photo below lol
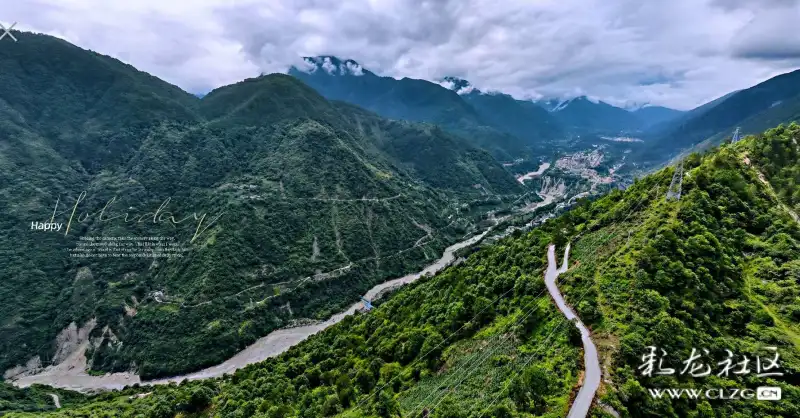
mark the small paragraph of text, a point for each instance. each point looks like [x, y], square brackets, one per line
[128, 246]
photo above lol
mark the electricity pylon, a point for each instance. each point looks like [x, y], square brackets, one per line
[674, 192]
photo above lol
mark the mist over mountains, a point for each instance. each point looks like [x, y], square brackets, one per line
[510, 127]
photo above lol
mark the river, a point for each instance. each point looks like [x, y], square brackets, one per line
[591, 380]
[281, 340]
[527, 176]
[71, 373]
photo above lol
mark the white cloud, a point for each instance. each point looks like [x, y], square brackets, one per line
[677, 53]
[308, 66]
[328, 66]
[448, 84]
[466, 90]
[354, 68]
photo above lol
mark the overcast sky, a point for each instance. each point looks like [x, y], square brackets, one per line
[677, 53]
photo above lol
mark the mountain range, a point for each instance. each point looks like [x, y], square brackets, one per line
[510, 127]
[583, 114]
[281, 199]
[753, 109]
[507, 127]
[713, 274]
[408, 99]
[297, 205]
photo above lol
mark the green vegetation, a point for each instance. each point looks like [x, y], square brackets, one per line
[717, 270]
[308, 203]
[505, 127]
[36, 398]
[754, 109]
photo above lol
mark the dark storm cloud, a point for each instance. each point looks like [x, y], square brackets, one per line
[771, 51]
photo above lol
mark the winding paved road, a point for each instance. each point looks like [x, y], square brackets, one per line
[591, 380]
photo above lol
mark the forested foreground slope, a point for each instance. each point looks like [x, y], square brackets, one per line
[718, 269]
[289, 207]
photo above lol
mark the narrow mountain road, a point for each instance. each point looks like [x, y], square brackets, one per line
[591, 380]
[55, 400]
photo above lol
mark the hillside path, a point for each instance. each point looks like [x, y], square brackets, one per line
[591, 381]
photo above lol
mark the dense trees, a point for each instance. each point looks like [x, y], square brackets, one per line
[283, 168]
[715, 270]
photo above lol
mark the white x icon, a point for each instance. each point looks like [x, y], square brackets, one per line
[8, 31]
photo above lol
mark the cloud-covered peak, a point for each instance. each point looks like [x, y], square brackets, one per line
[677, 53]
[458, 85]
[633, 105]
[559, 104]
[331, 65]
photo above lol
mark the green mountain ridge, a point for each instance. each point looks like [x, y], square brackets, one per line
[581, 115]
[274, 184]
[521, 118]
[717, 270]
[754, 109]
[425, 101]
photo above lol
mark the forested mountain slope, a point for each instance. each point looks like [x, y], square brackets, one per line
[754, 109]
[425, 101]
[654, 115]
[716, 270]
[521, 118]
[666, 126]
[582, 115]
[284, 205]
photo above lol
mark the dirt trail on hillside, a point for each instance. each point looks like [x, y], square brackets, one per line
[766, 183]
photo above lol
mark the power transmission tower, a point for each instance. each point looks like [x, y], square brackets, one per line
[735, 138]
[674, 192]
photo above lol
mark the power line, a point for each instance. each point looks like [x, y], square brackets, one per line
[494, 401]
[492, 351]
